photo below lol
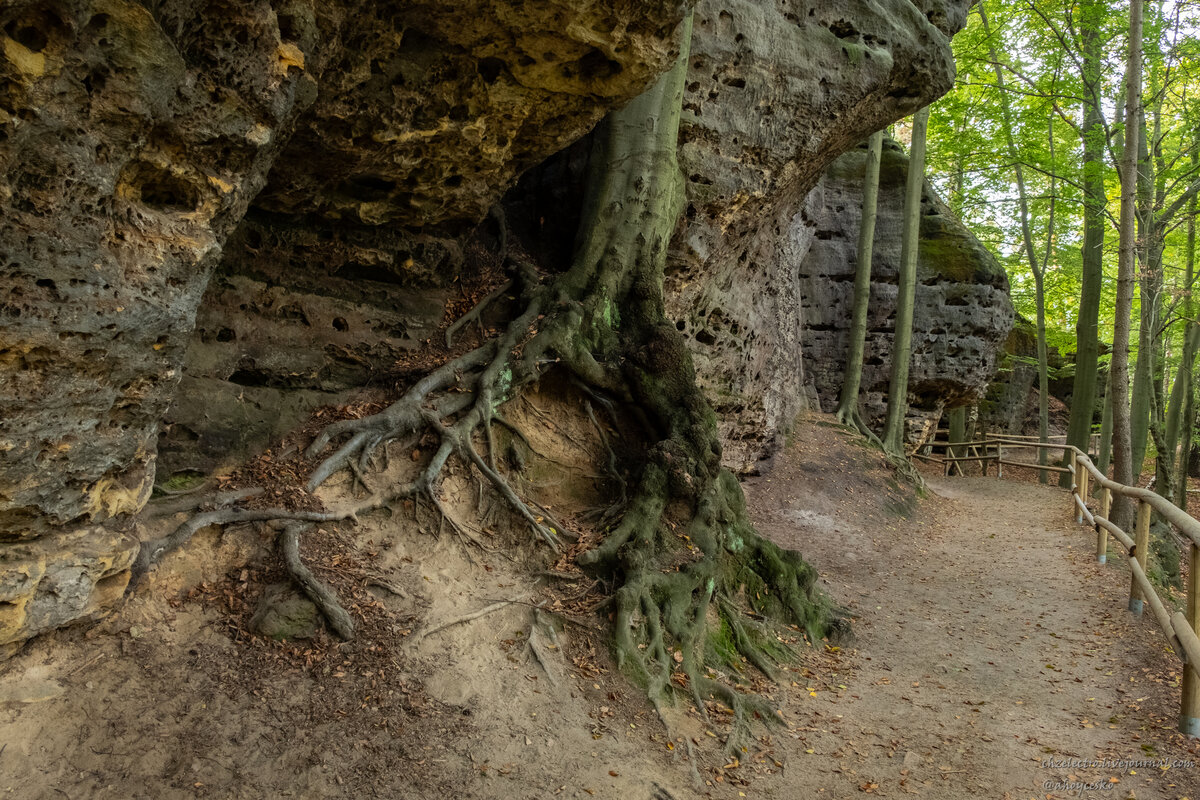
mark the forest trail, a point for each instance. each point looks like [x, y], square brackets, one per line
[988, 640]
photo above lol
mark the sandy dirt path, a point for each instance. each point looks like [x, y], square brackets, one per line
[988, 641]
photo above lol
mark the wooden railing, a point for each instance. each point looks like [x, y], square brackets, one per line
[1181, 630]
[989, 451]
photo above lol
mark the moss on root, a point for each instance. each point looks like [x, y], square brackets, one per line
[687, 562]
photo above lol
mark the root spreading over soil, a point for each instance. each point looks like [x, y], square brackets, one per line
[684, 560]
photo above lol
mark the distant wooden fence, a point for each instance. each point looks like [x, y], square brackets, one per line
[988, 451]
[1181, 630]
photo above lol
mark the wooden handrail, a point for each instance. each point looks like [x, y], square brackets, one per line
[1046, 467]
[977, 443]
[1181, 630]
[1184, 522]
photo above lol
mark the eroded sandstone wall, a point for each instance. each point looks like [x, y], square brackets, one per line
[133, 137]
[134, 141]
[962, 312]
[775, 92]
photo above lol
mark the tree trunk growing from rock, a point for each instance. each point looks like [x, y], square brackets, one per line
[611, 330]
[603, 320]
[893, 434]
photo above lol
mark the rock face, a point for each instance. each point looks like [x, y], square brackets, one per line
[775, 92]
[134, 137]
[127, 154]
[1011, 402]
[1005, 405]
[131, 141]
[137, 136]
[59, 578]
[432, 108]
[275, 339]
[962, 314]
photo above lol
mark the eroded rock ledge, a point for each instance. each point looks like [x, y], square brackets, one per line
[134, 141]
[133, 138]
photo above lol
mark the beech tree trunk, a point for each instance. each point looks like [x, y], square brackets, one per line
[1104, 455]
[1179, 411]
[893, 434]
[1123, 469]
[1149, 280]
[1087, 337]
[1035, 267]
[847, 410]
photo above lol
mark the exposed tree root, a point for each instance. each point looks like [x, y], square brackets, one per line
[680, 549]
[853, 419]
[906, 470]
[322, 596]
[483, 612]
[746, 708]
[902, 466]
[475, 313]
[541, 636]
[189, 502]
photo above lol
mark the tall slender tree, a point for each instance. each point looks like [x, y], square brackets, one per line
[1092, 137]
[1179, 411]
[1149, 282]
[847, 410]
[1123, 471]
[1036, 268]
[893, 434]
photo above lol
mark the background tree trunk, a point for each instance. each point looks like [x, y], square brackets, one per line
[1123, 470]
[1149, 289]
[893, 435]
[1092, 135]
[847, 410]
[1039, 277]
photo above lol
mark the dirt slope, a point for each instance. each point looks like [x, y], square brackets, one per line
[987, 641]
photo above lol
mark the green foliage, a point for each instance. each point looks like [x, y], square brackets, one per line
[1038, 43]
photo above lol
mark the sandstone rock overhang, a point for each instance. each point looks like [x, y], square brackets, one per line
[134, 140]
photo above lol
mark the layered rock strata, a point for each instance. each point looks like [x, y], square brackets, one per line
[962, 312]
[135, 138]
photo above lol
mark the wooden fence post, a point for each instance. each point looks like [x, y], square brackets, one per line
[1102, 533]
[1081, 478]
[999, 458]
[1075, 486]
[1141, 546]
[1189, 707]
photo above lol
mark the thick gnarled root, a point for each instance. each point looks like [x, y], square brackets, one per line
[683, 596]
[318, 592]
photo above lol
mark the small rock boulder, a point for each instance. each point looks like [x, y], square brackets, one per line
[285, 613]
